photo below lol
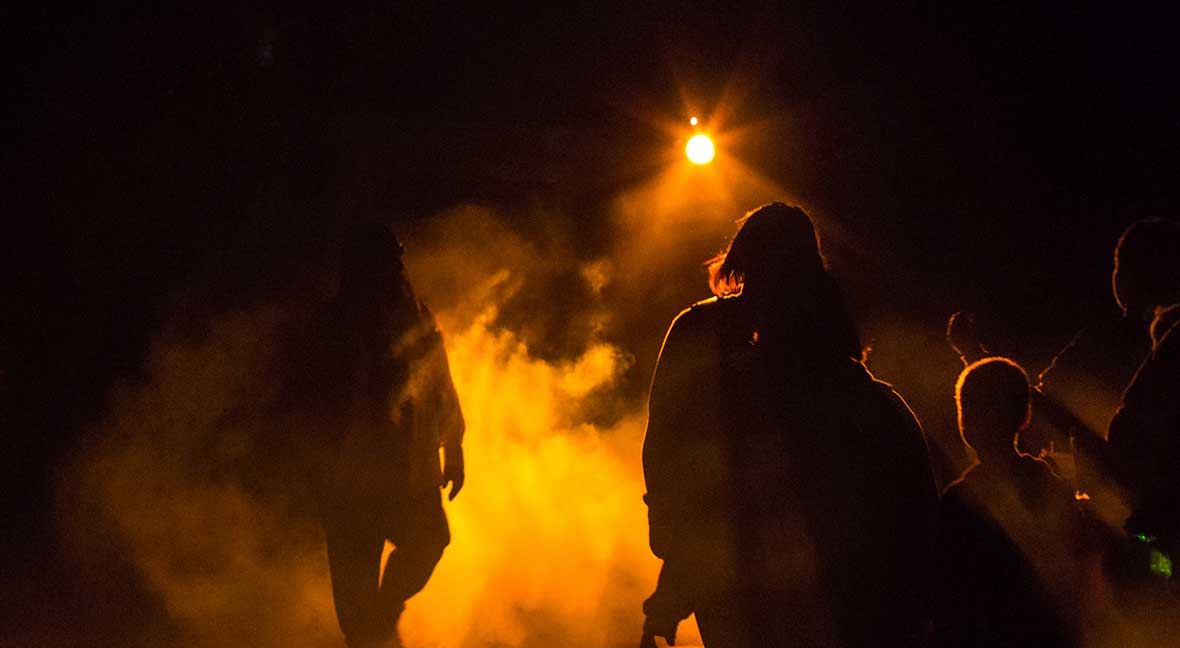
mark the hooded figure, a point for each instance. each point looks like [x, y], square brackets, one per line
[386, 406]
[789, 493]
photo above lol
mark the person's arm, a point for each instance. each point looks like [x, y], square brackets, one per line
[451, 426]
[660, 441]
[1128, 447]
[667, 606]
[1142, 433]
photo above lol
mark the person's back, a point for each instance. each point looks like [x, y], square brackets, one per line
[685, 458]
[796, 486]
[1011, 543]
[990, 593]
[386, 406]
[1144, 446]
[1145, 436]
[720, 489]
[387, 398]
[871, 500]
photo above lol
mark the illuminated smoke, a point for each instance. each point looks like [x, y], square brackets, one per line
[189, 476]
[550, 534]
[170, 482]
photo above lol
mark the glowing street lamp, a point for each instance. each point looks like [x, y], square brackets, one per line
[699, 149]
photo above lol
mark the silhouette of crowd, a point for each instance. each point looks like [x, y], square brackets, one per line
[790, 493]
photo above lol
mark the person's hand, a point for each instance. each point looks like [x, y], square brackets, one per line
[651, 631]
[453, 472]
[649, 640]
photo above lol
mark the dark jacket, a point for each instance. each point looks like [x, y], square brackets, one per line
[386, 401]
[1144, 436]
[1011, 557]
[772, 470]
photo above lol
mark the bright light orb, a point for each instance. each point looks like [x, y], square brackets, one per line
[694, 121]
[699, 149]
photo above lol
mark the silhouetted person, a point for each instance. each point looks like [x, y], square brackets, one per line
[1082, 387]
[1144, 436]
[1048, 433]
[387, 406]
[947, 455]
[1087, 377]
[1011, 544]
[966, 338]
[789, 493]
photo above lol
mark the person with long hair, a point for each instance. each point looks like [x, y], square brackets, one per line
[789, 493]
[386, 406]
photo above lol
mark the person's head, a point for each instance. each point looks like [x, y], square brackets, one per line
[775, 243]
[1147, 267]
[774, 263]
[965, 338]
[992, 396]
[371, 264]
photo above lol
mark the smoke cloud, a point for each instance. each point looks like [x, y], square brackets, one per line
[194, 475]
[195, 478]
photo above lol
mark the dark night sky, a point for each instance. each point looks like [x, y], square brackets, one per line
[996, 152]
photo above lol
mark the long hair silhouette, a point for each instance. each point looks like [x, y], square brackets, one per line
[776, 265]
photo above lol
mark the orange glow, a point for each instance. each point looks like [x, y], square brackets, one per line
[552, 523]
[550, 534]
[699, 149]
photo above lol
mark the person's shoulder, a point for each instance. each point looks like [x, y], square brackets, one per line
[707, 308]
[962, 509]
[885, 388]
[1047, 474]
[703, 316]
[1163, 325]
[1042, 486]
[1034, 465]
[956, 508]
[695, 326]
[974, 487]
[952, 493]
[887, 393]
